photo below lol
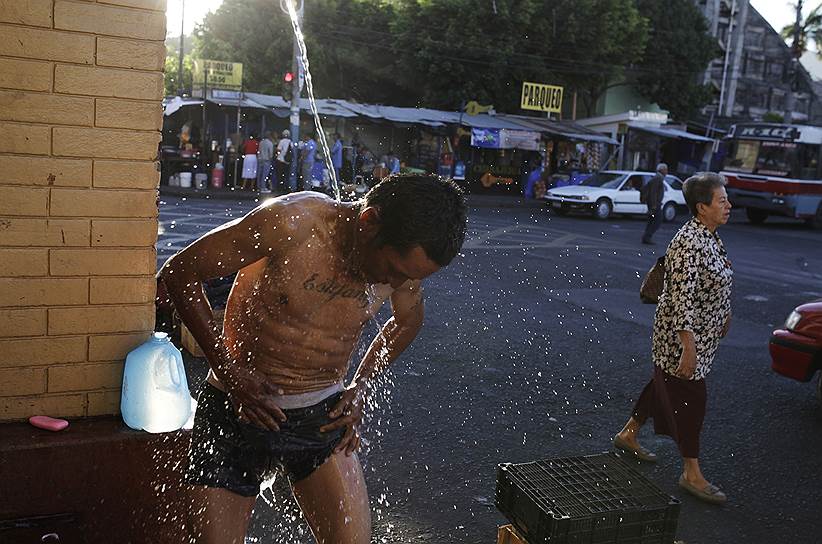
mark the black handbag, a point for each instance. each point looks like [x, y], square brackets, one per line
[654, 281]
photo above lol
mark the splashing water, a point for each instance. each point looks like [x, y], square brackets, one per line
[309, 85]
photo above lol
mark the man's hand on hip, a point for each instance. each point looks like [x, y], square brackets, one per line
[347, 413]
[253, 398]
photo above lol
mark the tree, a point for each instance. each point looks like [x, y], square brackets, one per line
[592, 42]
[810, 29]
[172, 67]
[679, 50]
[253, 32]
[348, 41]
[452, 51]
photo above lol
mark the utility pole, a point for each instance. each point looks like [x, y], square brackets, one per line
[793, 69]
[728, 37]
[182, 34]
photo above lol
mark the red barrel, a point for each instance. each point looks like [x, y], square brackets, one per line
[217, 176]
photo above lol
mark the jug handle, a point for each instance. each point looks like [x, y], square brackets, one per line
[174, 371]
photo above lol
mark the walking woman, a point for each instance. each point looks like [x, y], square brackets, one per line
[692, 315]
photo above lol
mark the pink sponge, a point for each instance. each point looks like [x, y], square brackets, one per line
[48, 423]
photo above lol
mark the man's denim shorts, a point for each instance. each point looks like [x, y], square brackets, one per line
[235, 455]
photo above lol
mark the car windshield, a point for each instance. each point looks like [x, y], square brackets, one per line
[605, 180]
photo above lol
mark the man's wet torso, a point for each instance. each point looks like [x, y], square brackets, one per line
[297, 315]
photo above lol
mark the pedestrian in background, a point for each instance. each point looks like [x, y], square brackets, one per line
[308, 154]
[285, 154]
[393, 163]
[265, 155]
[692, 315]
[652, 194]
[337, 156]
[250, 148]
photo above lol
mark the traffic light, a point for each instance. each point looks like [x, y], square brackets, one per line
[289, 77]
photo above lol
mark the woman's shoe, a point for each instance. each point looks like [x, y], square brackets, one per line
[639, 452]
[710, 493]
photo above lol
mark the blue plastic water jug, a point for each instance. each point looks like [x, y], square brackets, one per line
[155, 390]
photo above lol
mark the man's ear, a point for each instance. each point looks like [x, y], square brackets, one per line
[369, 222]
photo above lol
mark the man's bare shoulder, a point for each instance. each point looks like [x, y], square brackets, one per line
[296, 217]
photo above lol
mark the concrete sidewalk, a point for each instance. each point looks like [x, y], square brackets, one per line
[474, 201]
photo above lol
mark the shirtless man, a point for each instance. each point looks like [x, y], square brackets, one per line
[311, 272]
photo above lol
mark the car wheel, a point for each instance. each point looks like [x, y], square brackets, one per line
[669, 212]
[603, 208]
[756, 216]
[815, 222]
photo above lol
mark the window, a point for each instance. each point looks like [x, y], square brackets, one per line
[634, 183]
[742, 157]
[775, 158]
[807, 158]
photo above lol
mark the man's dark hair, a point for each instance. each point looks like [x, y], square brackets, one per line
[700, 189]
[420, 209]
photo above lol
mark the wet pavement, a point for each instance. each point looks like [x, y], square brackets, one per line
[536, 345]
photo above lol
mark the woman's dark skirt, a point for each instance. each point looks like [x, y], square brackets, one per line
[677, 407]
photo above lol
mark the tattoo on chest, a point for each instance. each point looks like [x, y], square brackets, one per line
[334, 289]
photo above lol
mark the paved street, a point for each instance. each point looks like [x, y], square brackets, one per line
[536, 346]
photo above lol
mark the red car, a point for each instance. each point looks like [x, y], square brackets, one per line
[796, 349]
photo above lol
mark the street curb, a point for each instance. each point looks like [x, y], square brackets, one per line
[474, 201]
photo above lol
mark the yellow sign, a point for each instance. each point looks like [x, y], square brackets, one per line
[217, 74]
[475, 108]
[541, 97]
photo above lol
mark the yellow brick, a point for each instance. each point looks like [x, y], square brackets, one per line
[19, 170]
[83, 80]
[26, 12]
[121, 233]
[29, 322]
[109, 20]
[105, 143]
[43, 291]
[24, 262]
[126, 174]
[25, 74]
[84, 377]
[103, 403]
[28, 139]
[102, 262]
[98, 319]
[15, 231]
[46, 108]
[102, 203]
[54, 405]
[24, 201]
[156, 5]
[141, 55]
[42, 351]
[22, 381]
[34, 43]
[129, 114]
[122, 290]
[114, 347]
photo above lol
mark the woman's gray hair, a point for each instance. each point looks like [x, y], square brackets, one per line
[700, 188]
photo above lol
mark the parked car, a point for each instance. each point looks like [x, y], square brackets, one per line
[614, 192]
[796, 349]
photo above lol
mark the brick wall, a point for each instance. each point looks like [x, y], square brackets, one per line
[80, 89]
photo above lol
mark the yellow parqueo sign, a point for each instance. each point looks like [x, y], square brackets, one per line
[541, 97]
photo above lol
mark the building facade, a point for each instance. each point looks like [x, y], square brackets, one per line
[752, 79]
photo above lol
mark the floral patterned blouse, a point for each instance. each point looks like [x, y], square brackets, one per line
[696, 297]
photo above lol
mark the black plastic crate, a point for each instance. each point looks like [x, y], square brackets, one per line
[595, 499]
